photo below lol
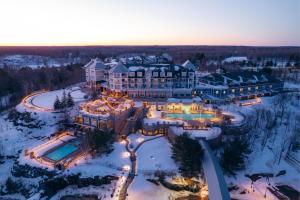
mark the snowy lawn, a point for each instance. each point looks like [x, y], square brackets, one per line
[156, 155]
[46, 100]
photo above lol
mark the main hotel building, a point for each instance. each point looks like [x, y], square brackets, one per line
[179, 81]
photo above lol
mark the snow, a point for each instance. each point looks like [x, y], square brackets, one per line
[141, 189]
[208, 134]
[235, 59]
[46, 100]
[104, 165]
[156, 155]
[291, 85]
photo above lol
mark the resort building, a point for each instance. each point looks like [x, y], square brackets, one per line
[218, 87]
[157, 80]
[179, 81]
[112, 114]
[95, 71]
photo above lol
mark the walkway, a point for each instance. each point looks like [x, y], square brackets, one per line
[133, 170]
[217, 187]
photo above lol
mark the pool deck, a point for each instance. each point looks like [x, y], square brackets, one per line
[69, 155]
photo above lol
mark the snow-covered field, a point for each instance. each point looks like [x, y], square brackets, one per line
[46, 100]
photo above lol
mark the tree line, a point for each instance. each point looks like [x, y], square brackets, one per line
[16, 83]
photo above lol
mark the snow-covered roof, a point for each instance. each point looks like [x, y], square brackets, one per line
[188, 64]
[235, 59]
[119, 68]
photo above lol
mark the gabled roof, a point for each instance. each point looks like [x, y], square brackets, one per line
[188, 64]
[99, 64]
[119, 68]
[95, 63]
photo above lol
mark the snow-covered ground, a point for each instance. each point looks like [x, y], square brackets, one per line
[264, 160]
[156, 155]
[46, 100]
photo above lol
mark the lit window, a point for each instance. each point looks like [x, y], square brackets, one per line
[241, 89]
[233, 90]
[217, 92]
[256, 87]
[249, 88]
[131, 73]
[140, 74]
[224, 92]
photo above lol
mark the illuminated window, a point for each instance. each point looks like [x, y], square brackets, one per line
[140, 74]
[256, 87]
[249, 88]
[241, 89]
[217, 92]
[233, 90]
[224, 92]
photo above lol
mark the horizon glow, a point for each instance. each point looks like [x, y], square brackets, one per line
[154, 22]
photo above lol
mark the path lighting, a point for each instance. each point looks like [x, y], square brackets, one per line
[125, 154]
[126, 168]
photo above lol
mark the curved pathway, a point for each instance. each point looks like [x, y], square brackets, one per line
[133, 170]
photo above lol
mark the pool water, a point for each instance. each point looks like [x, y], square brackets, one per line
[62, 151]
[185, 116]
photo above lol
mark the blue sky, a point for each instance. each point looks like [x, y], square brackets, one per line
[154, 22]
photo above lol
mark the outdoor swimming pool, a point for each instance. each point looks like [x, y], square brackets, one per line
[189, 116]
[63, 151]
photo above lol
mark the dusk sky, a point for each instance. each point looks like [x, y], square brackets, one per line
[150, 22]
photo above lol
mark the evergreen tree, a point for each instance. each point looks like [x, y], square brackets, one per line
[188, 153]
[234, 155]
[64, 100]
[11, 186]
[70, 101]
[57, 104]
[100, 141]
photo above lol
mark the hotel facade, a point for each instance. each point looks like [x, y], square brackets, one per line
[179, 81]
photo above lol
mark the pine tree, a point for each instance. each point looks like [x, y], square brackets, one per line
[11, 186]
[64, 100]
[70, 101]
[57, 104]
[234, 154]
[188, 153]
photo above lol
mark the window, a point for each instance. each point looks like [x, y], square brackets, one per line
[217, 92]
[256, 87]
[183, 73]
[169, 74]
[162, 74]
[241, 89]
[224, 92]
[131, 73]
[155, 74]
[249, 88]
[233, 90]
[140, 74]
